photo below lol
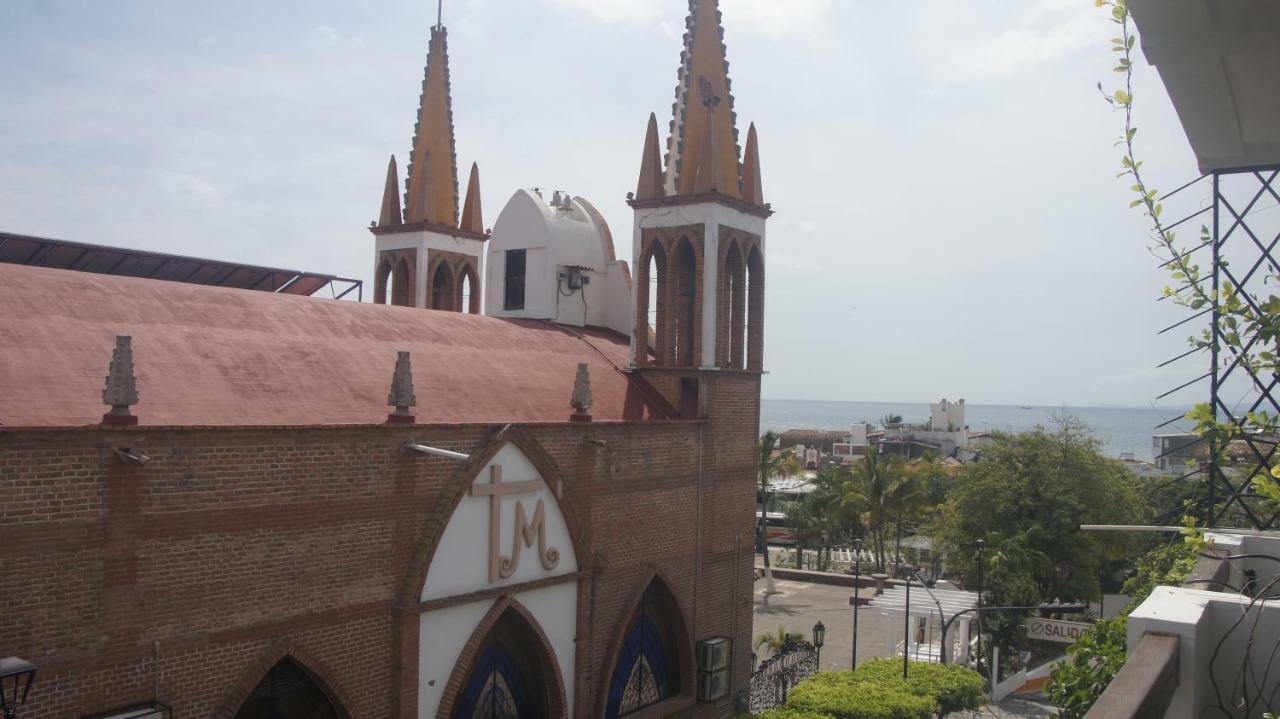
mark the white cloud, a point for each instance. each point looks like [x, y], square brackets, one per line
[773, 16]
[1051, 30]
[615, 10]
[763, 16]
[185, 185]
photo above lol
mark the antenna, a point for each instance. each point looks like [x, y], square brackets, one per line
[440, 14]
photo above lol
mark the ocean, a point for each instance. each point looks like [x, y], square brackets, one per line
[1120, 430]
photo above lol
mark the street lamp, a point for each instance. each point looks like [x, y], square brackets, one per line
[819, 638]
[857, 584]
[16, 677]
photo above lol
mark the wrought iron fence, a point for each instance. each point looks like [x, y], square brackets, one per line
[794, 662]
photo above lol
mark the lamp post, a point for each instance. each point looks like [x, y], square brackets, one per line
[16, 678]
[979, 546]
[857, 584]
[819, 638]
[906, 629]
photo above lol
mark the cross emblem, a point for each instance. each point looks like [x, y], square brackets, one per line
[501, 567]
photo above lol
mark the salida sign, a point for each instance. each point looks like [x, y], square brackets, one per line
[1054, 630]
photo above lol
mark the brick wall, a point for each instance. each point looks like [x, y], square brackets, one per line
[234, 547]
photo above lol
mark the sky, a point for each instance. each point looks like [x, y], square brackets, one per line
[949, 222]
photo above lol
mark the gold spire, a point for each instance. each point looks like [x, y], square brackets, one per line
[650, 186]
[703, 131]
[421, 201]
[390, 214]
[752, 188]
[706, 176]
[432, 187]
[472, 218]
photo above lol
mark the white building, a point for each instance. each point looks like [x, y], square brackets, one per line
[553, 259]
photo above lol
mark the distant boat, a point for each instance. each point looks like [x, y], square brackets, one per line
[1027, 406]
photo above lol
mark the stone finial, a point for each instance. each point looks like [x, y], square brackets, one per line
[581, 399]
[401, 396]
[651, 179]
[121, 391]
[391, 213]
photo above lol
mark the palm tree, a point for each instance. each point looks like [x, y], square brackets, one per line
[768, 465]
[875, 492]
[776, 641]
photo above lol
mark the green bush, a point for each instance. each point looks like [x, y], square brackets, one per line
[842, 696]
[954, 688]
[1091, 664]
[788, 713]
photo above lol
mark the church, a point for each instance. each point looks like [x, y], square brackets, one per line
[519, 482]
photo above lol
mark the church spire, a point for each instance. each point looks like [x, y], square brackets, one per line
[650, 186]
[472, 217]
[702, 150]
[432, 194]
[390, 214]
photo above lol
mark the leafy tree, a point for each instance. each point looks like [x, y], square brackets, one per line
[1027, 499]
[890, 420]
[1097, 656]
[776, 641]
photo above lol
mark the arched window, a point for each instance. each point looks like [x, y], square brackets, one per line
[685, 328]
[651, 307]
[648, 669]
[382, 284]
[508, 679]
[288, 692]
[442, 287]
[468, 298]
[733, 313]
[755, 310]
[401, 287]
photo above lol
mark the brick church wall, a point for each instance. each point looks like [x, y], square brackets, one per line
[236, 546]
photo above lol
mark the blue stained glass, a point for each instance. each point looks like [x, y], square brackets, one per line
[633, 688]
[495, 689]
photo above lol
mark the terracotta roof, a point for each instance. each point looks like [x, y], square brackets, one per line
[216, 356]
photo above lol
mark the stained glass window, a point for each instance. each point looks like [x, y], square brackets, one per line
[648, 670]
[287, 692]
[495, 688]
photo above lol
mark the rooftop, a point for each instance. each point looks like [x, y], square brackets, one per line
[222, 357]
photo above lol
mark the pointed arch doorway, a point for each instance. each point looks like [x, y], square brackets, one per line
[289, 692]
[512, 674]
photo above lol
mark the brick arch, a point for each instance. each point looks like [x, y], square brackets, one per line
[731, 302]
[467, 271]
[276, 653]
[685, 329]
[648, 336]
[462, 667]
[684, 638]
[381, 278]
[755, 308]
[402, 283]
[456, 488]
[440, 297]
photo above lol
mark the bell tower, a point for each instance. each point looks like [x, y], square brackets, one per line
[429, 255]
[699, 232]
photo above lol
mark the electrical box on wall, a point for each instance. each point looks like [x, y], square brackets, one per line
[713, 668]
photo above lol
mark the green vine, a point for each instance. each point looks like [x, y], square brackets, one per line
[1249, 327]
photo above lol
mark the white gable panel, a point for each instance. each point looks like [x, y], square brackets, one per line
[461, 563]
